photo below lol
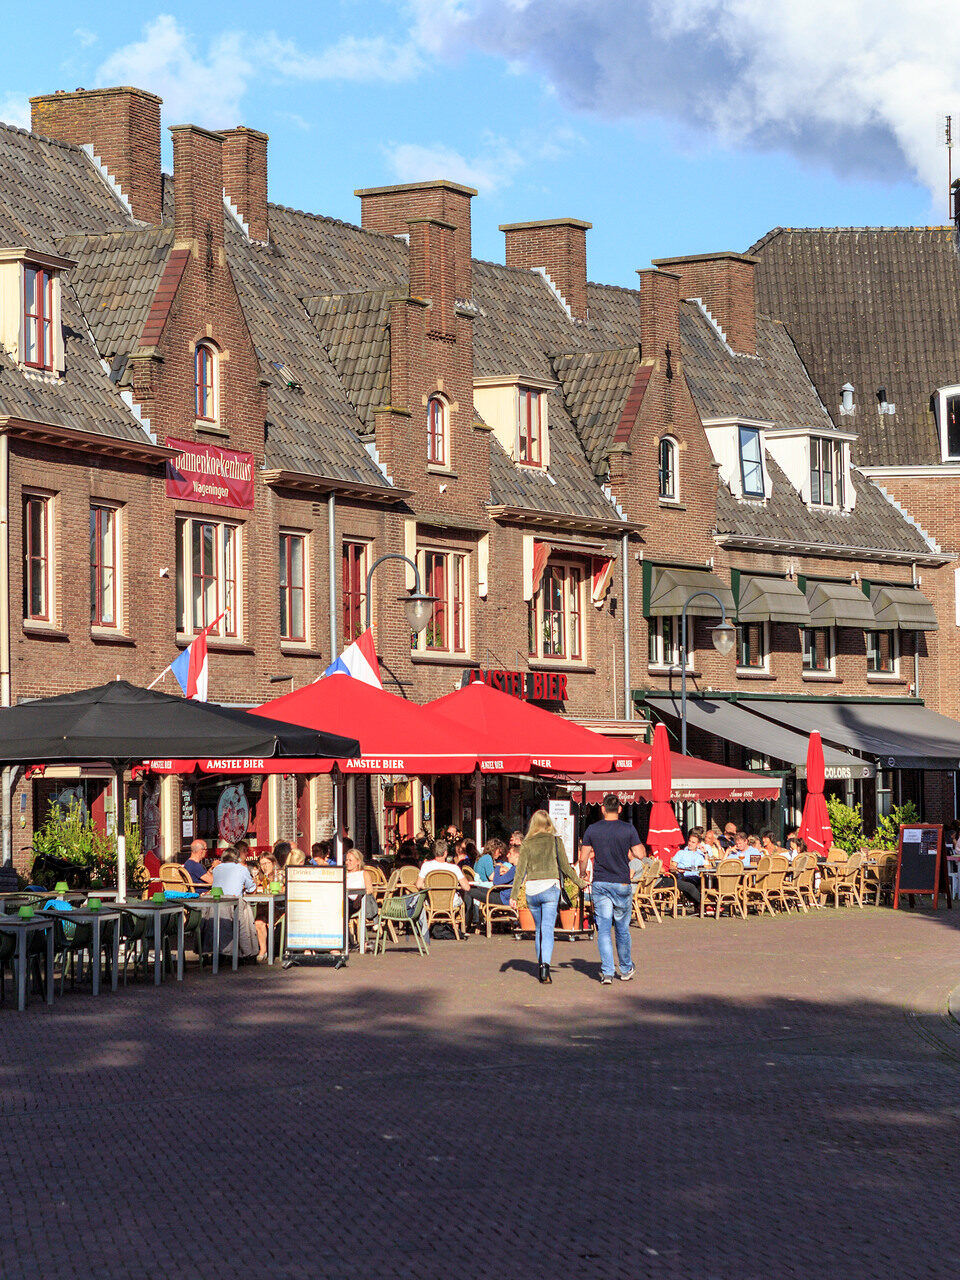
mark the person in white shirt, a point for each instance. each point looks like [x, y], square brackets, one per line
[438, 863]
[232, 877]
[235, 880]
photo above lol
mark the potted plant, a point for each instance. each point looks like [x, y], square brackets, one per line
[567, 918]
[527, 923]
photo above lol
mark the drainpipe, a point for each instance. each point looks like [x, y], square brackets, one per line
[916, 644]
[6, 825]
[627, 692]
[332, 571]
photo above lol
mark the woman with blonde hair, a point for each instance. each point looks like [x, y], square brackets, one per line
[543, 861]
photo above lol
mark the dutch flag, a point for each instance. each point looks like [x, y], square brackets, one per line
[190, 667]
[358, 660]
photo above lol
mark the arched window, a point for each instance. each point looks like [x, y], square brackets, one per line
[437, 450]
[668, 468]
[205, 378]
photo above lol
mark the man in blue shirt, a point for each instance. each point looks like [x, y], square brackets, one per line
[690, 860]
[195, 867]
[610, 844]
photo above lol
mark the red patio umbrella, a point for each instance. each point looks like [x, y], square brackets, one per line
[663, 835]
[815, 829]
[510, 725]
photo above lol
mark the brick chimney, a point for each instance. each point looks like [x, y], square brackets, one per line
[660, 317]
[198, 188]
[724, 283]
[392, 209]
[122, 126]
[557, 246]
[245, 177]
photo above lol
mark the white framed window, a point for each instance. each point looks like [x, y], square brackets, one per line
[530, 428]
[753, 646]
[438, 434]
[38, 558]
[947, 402]
[751, 462]
[293, 586]
[668, 470]
[883, 653]
[444, 574]
[664, 642]
[819, 650]
[104, 565]
[208, 577]
[206, 382]
[555, 615]
[826, 472]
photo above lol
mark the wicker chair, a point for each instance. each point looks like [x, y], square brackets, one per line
[727, 892]
[756, 894]
[444, 905]
[644, 894]
[173, 876]
[779, 892]
[879, 879]
[804, 867]
[493, 911]
[843, 881]
[407, 879]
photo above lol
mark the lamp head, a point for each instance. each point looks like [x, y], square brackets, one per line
[418, 607]
[724, 637]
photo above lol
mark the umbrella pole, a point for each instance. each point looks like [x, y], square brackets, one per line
[121, 841]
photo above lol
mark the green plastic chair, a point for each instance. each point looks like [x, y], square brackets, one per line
[395, 910]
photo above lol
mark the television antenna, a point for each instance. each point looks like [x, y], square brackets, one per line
[948, 142]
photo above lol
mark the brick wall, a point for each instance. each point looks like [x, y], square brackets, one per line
[724, 283]
[245, 177]
[557, 246]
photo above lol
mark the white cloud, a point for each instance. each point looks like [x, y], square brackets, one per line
[84, 37]
[855, 85]
[356, 58]
[15, 109]
[495, 165]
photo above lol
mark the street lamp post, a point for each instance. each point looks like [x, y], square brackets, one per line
[723, 636]
[417, 606]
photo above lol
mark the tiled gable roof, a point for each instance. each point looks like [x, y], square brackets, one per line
[354, 329]
[597, 386]
[875, 306]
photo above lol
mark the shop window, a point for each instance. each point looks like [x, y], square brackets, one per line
[293, 587]
[664, 642]
[555, 616]
[530, 435]
[438, 451]
[668, 469]
[354, 566]
[751, 463]
[206, 369]
[883, 652]
[819, 650]
[38, 318]
[104, 559]
[444, 575]
[37, 557]
[208, 577]
[752, 646]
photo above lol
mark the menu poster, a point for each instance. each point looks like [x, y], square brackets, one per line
[918, 861]
[561, 812]
[316, 909]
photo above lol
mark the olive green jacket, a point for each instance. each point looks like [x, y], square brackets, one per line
[543, 857]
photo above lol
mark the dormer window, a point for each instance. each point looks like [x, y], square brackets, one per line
[948, 420]
[205, 381]
[826, 472]
[530, 437]
[38, 318]
[438, 452]
[751, 462]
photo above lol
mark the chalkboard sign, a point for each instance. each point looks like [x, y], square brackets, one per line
[918, 861]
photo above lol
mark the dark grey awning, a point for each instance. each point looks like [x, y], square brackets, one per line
[772, 600]
[839, 604]
[670, 589]
[903, 607]
[729, 720]
[898, 735]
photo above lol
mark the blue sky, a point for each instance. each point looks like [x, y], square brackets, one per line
[678, 128]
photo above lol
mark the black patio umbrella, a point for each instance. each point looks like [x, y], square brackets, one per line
[122, 725]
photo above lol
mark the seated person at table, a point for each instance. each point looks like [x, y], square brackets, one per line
[439, 863]
[710, 845]
[741, 849]
[232, 877]
[322, 854]
[503, 876]
[295, 858]
[195, 867]
[729, 837]
[768, 845]
[467, 854]
[689, 860]
[281, 850]
[493, 851]
[235, 880]
[359, 885]
[268, 872]
[244, 855]
[636, 864]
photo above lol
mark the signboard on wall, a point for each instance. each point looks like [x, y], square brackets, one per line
[529, 686]
[207, 473]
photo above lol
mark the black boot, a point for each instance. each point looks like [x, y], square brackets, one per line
[545, 974]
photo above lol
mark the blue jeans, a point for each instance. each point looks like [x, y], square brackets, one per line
[612, 904]
[543, 908]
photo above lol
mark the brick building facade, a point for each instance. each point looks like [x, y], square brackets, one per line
[563, 460]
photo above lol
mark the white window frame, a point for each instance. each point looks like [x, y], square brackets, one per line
[663, 643]
[535, 613]
[874, 673]
[817, 445]
[304, 537]
[227, 628]
[943, 395]
[757, 434]
[49, 618]
[823, 673]
[419, 641]
[669, 444]
[116, 626]
[764, 665]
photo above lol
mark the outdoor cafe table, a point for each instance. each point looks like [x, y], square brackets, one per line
[85, 915]
[21, 927]
[271, 900]
[157, 910]
[207, 900]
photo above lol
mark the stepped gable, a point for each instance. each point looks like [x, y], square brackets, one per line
[878, 307]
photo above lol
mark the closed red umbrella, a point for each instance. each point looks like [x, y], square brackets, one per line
[815, 829]
[663, 836]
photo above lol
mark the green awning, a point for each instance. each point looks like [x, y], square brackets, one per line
[772, 600]
[840, 604]
[670, 589]
[903, 607]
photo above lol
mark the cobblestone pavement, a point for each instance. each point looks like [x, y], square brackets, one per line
[774, 1098]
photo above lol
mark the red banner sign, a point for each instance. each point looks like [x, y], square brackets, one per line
[206, 473]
